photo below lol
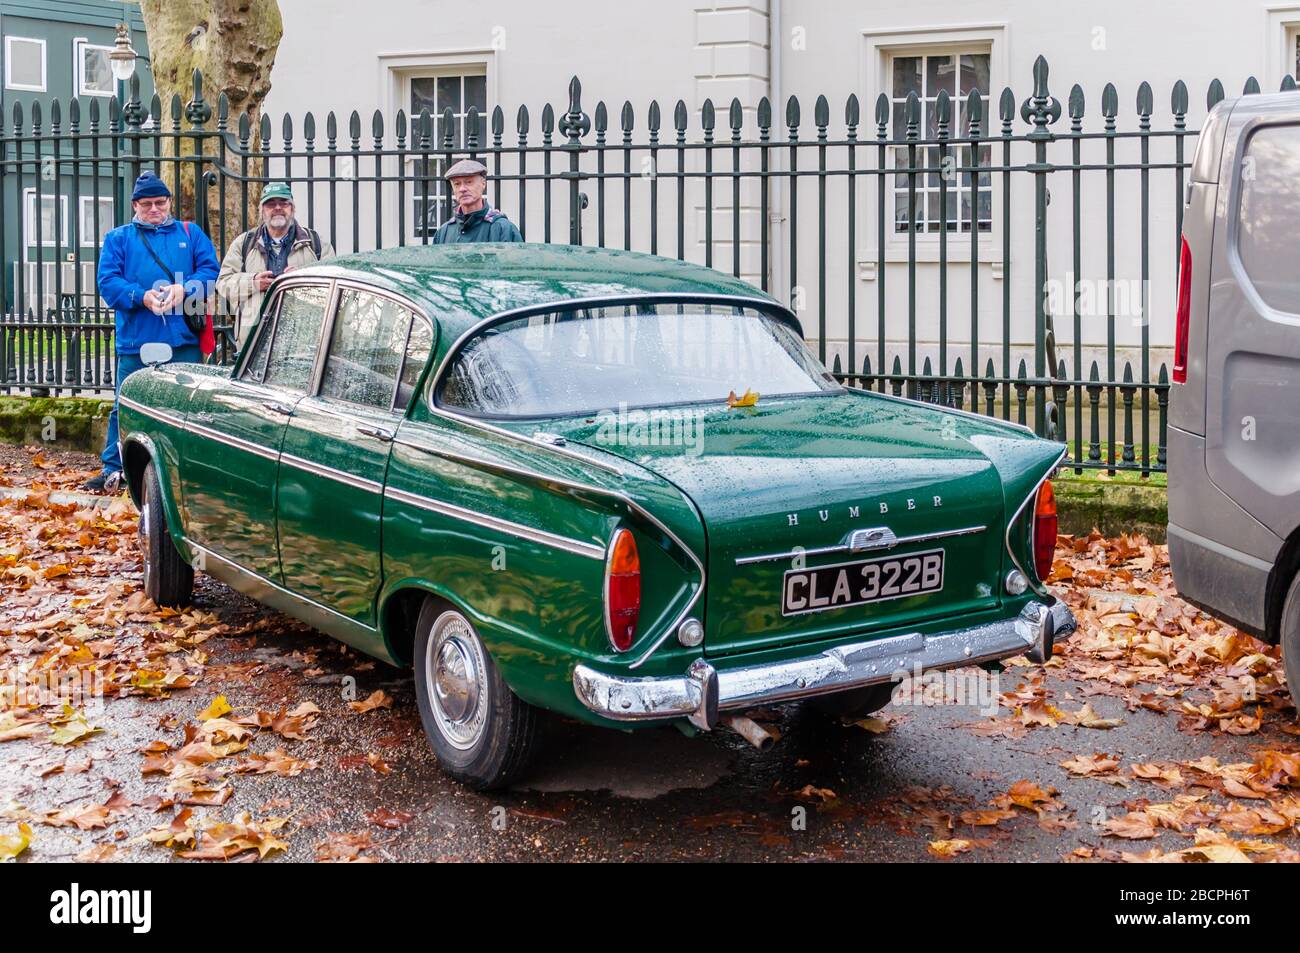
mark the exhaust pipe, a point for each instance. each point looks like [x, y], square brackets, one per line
[751, 731]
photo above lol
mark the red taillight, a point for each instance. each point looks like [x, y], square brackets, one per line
[1044, 530]
[1183, 319]
[622, 590]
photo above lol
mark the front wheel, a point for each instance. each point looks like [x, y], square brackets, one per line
[481, 732]
[168, 579]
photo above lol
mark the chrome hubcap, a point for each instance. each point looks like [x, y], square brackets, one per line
[145, 531]
[454, 680]
[454, 671]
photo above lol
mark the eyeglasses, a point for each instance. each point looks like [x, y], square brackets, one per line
[151, 204]
[277, 204]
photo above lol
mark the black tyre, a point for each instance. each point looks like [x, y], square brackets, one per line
[1289, 638]
[481, 732]
[855, 703]
[168, 579]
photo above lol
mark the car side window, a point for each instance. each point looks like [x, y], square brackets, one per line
[255, 366]
[298, 325]
[366, 349]
[417, 355]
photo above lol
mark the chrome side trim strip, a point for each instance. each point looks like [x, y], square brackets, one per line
[404, 440]
[531, 441]
[339, 476]
[576, 546]
[319, 469]
[598, 491]
[160, 415]
[1034, 584]
[238, 442]
[846, 548]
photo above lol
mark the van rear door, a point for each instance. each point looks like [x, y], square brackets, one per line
[1252, 348]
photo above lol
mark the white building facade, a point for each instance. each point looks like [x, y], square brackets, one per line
[825, 255]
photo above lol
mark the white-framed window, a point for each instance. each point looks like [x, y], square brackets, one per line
[94, 70]
[48, 230]
[1282, 44]
[25, 63]
[927, 73]
[92, 232]
[460, 91]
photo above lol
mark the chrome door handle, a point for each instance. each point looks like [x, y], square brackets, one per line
[379, 433]
[275, 407]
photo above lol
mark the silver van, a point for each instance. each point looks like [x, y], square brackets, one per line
[1234, 410]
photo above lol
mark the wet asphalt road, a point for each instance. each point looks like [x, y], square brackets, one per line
[822, 792]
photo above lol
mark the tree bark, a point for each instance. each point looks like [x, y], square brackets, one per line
[233, 43]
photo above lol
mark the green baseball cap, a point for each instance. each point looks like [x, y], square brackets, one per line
[276, 190]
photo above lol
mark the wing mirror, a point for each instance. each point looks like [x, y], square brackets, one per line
[155, 353]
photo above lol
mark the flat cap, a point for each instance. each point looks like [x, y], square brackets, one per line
[466, 167]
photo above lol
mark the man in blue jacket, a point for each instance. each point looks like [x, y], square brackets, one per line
[147, 270]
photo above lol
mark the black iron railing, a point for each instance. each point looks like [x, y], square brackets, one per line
[1055, 323]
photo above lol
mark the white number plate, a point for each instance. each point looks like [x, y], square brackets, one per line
[860, 582]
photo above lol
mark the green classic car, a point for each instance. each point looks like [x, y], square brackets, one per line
[524, 472]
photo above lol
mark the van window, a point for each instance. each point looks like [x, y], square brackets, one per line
[1269, 210]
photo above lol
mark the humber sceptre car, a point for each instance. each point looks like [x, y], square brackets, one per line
[523, 472]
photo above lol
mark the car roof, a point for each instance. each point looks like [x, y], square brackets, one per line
[460, 285]
[1282, 102]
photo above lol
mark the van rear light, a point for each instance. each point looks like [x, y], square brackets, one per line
[622, 590]
[1045, 525]
[1183, 318]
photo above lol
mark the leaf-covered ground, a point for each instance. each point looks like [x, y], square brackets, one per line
[229, 732]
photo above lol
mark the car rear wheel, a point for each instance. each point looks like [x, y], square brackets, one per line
[855, 703]
[168, 579]
[1289, 638]
[481, 732]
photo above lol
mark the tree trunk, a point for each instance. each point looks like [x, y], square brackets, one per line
[233, 43]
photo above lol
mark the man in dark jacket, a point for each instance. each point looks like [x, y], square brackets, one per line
[475, 219]
[148, 269]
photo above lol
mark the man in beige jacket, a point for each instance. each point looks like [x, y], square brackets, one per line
[278, 244]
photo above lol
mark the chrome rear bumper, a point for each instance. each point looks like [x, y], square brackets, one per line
[704, 691]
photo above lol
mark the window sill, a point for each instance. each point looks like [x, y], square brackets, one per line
[927, 252]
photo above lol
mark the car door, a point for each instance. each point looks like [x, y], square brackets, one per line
[235, 429]
[1252, 445]
[334, 458]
